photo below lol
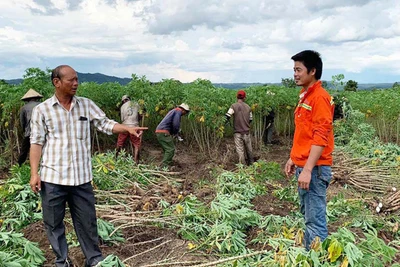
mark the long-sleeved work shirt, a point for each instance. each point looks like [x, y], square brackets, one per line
[171, 122]
[25, 116]
[65, 137]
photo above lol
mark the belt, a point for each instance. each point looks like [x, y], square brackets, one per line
[162, 131]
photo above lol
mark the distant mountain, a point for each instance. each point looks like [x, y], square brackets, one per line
[14, 81]
[371, 86]
[88, 77]
[102, 78]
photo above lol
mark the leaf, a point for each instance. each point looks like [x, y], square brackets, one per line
[191, 246]
[105, 170]
[287, 232]
[345, 262]
[299, 237]
[314, 257]
[179, 209]
[335, 250]
[316, 244]
[353, 253]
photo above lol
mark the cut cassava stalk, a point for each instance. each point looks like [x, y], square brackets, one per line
[358, 173]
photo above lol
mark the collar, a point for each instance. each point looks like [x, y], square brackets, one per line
[54, 100]
[305, 92]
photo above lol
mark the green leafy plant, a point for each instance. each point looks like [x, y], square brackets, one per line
[108, 233]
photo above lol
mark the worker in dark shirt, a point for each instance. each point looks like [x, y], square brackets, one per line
[31, 99]
[168, 129]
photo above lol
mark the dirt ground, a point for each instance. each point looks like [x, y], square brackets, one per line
[147, 245]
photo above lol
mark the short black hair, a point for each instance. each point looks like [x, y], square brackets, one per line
[311, 60]
[56, 73]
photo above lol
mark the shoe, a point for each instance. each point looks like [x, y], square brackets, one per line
[96, 264]
[68, 263]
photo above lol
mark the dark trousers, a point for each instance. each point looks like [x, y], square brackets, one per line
[167, 143]
[26, 145]
[81, 203]
[269, 130]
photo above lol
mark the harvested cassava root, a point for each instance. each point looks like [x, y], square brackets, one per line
[358, 173]
[364, 177]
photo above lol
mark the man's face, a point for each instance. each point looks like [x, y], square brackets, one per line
[67, 84]
[301, 77]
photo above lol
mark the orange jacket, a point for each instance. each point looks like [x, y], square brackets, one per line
[313, 120]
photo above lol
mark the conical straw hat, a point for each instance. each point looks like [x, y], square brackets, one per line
[31, 94]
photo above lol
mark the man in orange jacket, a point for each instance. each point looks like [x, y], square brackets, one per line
[313, 142]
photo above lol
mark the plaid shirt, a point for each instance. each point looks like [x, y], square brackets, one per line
[65, 137]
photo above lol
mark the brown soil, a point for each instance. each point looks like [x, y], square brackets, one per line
[193, 169]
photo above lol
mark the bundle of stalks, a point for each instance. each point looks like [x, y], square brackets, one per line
[358, 173]
[392, 202]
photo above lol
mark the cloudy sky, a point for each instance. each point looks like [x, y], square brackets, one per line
[218, 40]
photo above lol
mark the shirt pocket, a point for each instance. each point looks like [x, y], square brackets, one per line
[303, 116]
[82, 129]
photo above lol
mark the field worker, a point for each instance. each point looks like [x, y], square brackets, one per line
[129, 117]
[31, 99]
[167, 129]
[241, 125]
[269, 126]
[311, 155]
[60, 143]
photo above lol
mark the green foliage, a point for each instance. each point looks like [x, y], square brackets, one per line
[15, 250]
[381, 109]
[265, 171]
[337, 81]
[341, 208]
[288, 193]
[109, 173]
[20, 205]
[357, 137]
[112, 261]
[376, 252]
[222, 224]
[36, 78]
[108, 233]
[288, 82]
[351, 86]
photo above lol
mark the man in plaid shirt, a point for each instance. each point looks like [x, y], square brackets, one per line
[60, 144]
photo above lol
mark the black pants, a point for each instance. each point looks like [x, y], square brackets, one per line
[81, 204]
[26, 145]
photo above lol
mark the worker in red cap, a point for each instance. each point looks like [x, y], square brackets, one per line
[241, 124]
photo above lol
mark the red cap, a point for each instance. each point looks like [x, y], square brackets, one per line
[241, 94]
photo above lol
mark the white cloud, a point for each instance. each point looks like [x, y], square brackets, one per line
[221, 40]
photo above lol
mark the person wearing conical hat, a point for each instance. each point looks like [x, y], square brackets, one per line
[32, 99]
[169, 128]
